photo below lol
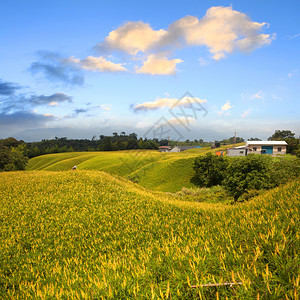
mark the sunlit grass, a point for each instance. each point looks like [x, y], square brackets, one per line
[89, 235]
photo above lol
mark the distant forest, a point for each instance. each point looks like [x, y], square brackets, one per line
[115, 142]
[14, 154]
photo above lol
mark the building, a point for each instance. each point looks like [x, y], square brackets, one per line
[259, 147]
[176, 148]
[215, 145]
[164, 148]
[237, 151]
[266, 147]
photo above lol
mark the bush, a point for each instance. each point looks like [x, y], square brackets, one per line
[209, 170]
[283, 169]
[11, 159]
[247, 173]
[214, 194]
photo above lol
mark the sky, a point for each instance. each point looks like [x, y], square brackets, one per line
[178, 69]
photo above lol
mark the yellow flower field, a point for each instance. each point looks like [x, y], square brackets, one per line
[91, 235]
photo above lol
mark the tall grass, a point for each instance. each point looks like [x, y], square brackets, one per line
[89, 235]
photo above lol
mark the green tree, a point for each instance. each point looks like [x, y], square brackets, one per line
[281, 135]
[247, 173]
[209, 170]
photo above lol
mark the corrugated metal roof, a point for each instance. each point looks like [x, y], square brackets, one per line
[266, 143]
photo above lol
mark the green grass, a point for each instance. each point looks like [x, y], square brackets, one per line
[91, 235]
[158, 171]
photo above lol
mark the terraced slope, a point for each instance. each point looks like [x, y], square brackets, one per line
[158, 171]
[91, 235]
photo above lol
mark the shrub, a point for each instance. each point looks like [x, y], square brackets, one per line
[247, 173]
[209, 170]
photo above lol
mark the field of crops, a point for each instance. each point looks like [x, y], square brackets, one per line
[167, 172]
[91, 235]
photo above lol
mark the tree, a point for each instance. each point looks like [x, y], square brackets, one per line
[247, 173]
[209, 170]
[289, 137]
[236, 139]
[11, 159]
[254, 139]
[281, 135]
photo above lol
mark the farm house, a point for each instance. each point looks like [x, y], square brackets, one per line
[259, 147]
[164, 148]
[267, 147]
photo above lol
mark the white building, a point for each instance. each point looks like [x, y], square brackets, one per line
[266, 147]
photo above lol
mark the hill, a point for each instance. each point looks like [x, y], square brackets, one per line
[151, 169]
[91, 235]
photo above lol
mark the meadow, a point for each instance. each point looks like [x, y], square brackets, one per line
[92, 235]
[168, 172]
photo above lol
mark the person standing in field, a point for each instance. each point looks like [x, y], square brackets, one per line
[74, 168]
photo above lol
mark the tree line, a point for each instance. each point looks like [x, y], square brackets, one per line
[14, 154]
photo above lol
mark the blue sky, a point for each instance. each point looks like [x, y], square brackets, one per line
[85, 68]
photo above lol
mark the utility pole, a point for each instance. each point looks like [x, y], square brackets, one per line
[234, 136]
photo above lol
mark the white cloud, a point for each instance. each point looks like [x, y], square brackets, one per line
[186, 121]
[222, 30]
[156, 65]
[132, 37]
[99, 64]
[167, 102]
[104, 106]
[246, 113]
[226, 106]
[225, 109]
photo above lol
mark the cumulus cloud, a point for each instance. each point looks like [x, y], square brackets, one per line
[131, 38]
[99, 64]
[56, 68]
[167, 102]
[156, 65]
[222, 30]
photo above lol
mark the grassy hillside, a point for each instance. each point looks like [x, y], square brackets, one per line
[90, 235]
[158, 171]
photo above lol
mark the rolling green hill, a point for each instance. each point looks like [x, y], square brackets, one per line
[92, 235]
[151, 169]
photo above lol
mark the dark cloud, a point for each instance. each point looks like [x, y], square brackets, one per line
[21, 102]
[54, 67]
[24, 119]
[8, 88]
[80, 110]
[46, 100]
